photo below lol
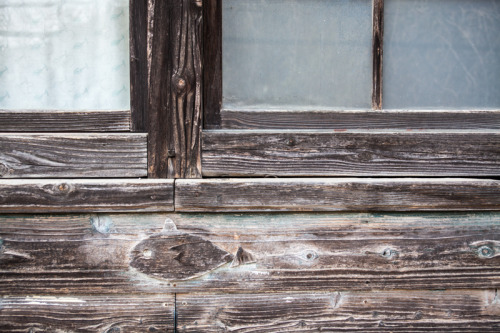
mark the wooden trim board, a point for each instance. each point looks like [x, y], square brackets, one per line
[86, 195]
[78, 155]
[327, 153]
[340, 194]
[64, 121]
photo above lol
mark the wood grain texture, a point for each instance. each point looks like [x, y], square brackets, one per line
[231, 153]
[152, 253]
[64, 121]
[377, 53]
[138, 18]
[31, 155]
[370, 120]
[398, 311]
[341, 194]
[212, 63]
[175, 96]
[86, 195]
[111, 314]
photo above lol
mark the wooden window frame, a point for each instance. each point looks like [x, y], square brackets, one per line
[217, 118]
[263, 137]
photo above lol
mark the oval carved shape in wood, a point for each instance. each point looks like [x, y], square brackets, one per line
[177, 256]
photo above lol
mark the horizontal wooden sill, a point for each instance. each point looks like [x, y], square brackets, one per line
[76, 155]
[352, 153]
[64, 121]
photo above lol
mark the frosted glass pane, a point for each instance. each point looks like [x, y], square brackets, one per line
[64, 54]
[442, 54]
[296, 54]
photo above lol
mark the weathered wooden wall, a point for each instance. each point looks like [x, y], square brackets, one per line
[86, 245]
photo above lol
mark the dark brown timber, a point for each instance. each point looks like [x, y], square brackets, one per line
[175, 96]
[397, 311]
[138, 64]
[157, 253]
[86, 195]
[351, 153]
[111, 314]
[212, 62]
[64, 121]
[377, 43]
[73, 155]
[369, 120]
[342, 194]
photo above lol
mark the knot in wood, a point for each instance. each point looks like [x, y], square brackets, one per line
[485, 252]
[389, 253]
[180, 84]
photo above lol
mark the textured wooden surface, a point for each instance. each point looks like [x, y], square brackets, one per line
[351, 153]
[138, 18]
[64, 121]
[151, 253]
[113, 314]
[340, 194]
[212, 62]
[369, 120]
[86, 195]
[72, 155]
[414, 311]
[174, 110]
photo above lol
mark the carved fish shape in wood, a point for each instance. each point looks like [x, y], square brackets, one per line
[177, 256]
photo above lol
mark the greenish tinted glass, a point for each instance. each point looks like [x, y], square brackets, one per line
[64, 54]
[442, 54]
[297, 54]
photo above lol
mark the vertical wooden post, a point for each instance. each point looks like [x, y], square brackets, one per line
[378, 41]
[212, 62]
[175, 95]
[138, 64]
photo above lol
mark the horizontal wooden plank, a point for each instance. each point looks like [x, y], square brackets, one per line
[398, 311]
[64, 121]
[336, 194]
[155, 253]
[86, 195]
[111, 314]
[31, 155]
[233, 153]
[387, 119]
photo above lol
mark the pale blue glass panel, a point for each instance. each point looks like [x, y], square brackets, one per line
[296, 54]
[442, 54]
[64, 54]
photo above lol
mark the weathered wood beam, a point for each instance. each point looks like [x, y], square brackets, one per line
[397, 311]
[369, 120]
[64, 121]
[339, 194]
[175, 95]
[257, 153]
[155, 253]
[86, 195]
[50, 155]
[110, 314]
